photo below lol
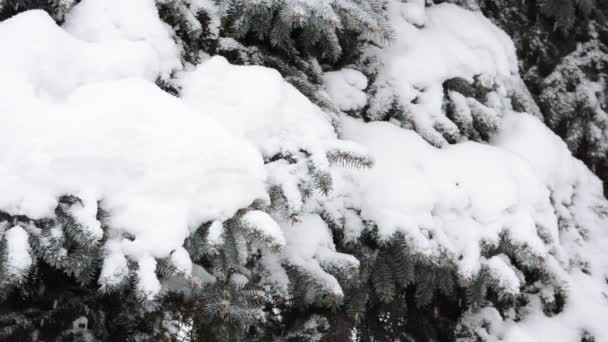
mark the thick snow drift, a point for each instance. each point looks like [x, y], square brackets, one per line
[80, 115]
[345, 87]
[451, 201]
[262, 107]
[460, 195]
[434, 45]
[99, 129]
[84, 126]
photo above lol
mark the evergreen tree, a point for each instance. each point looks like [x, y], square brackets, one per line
[57, 8]
[54, 283]
[472, 105]
[565, 12]
[309, 28]
[575, 100]
[569, 61]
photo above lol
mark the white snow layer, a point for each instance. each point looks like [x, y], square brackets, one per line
[448, 201]
[261, 106]
[85, 119]
[18, 255]
[129, 27]
[345, 87]
[260, 223]
[81, 115]
[436, 44]
[459, 195]
[310, 248]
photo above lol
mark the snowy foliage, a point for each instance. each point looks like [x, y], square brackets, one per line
[563, 69]
[360, 179]
[565, 12]
[450, 79]
[18, 257]
[574, 96]
[346, 87]
[318, 24]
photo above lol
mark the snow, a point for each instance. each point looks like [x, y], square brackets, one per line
[18, 256]
[114, 270]
[259, 106]
[431, 46]
[311, 249]
[453, 43]
[577, 197]
[148, 284]
[130, 27]
[501, 269]
[264, 109]
[85, 214]
[238, 280]
[99, 128]
[345, 88]
[276, 275]
[414, 12]
[541, 148]
[264, 225]
[168, 166]
[212, 9]
[182, 262]
[215, 235]
[32, 37]
[585, 310]
[464, 194]
[524, 184]
[81, 115]
[165, 169]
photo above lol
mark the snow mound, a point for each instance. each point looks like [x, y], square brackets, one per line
[453, 202]
[453, 43]
[264, 109]
[40, 59]
[345, 88]
[263, 225]
[434, 46]
[164, 169]
[296, 137]
[310, 248]
[18, 257]
[132, 26]
[449, 200]
[83, 118]
[452, 199]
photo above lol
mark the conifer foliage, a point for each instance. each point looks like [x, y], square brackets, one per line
[565, 12]
[385, 200]
[57, 8]
[309, 27]
[564, 61]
